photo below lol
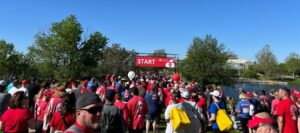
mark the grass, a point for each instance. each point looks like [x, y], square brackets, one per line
[291, 81]
[295, 81]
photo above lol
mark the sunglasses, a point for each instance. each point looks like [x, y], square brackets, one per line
[93, 110]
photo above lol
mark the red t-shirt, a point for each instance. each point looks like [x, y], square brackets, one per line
[168, 100]
[138, 109]
[288, 110]
[54, 105]
[58, 124]
[202, 104]
[15, 120]
[41, 107]
[122, 106]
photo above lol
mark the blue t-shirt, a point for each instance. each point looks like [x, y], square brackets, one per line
[244, 108]
[213, 109]
[153, 101]
[10, 85]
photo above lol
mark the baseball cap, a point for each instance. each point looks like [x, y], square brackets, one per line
[248, 95]
[2, 83]
[24, 81]
[216, 93]
[86, 99]
[185, 94]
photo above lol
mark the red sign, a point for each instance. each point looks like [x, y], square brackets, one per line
[147, 61]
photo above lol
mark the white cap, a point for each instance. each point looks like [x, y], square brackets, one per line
[216, 93]
[2, 82]
[185, 94]
[131, 86]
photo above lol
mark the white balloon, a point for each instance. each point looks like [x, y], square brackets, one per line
[131, 75]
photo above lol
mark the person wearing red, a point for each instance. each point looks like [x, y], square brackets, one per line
[138, 109]
[41, 104]
[65, 117]
[88, 114]
[84, 86]
[18, 118]
[53, 106]
[202, 104]
[122, 106]
[286, 112]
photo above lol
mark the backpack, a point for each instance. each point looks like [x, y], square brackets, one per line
[179, 119]
[223, 120]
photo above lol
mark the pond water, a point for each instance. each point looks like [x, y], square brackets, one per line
[233, 90]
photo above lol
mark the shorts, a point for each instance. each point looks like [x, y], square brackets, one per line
[153, 116]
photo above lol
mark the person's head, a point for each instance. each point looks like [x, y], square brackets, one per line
[59, 91]
[242, 96]
[248, 95]
[110, 95]
[18, 100]
[88, 110]
[24, 83]
[154, 87]
[283, 93]
[263, 92]
[175, 97]
[118, 96]
[241, 90]
[15, 82]
[134, 91]
[201, 95]
[216, 95]
[2, 85]
[68, 103]
[294, 91]
[185, 95]
[262, 122]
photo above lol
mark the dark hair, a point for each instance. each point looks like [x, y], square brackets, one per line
[288, 92]
[16, 100]
[263, 92]
[176, 96]
[68, 104]
[2, 88]
[135, 91]
[45, 85]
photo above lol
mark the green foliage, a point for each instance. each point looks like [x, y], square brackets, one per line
[116, 60]
[249, 74]
[205, 62]
[266, 62]
[293, 63]
[11, 61]
[61, 54]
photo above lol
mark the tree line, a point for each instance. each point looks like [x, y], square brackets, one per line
[63, 52]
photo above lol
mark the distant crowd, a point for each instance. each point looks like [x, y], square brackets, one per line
[140, 103]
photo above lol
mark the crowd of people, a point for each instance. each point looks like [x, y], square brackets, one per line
[118, 105]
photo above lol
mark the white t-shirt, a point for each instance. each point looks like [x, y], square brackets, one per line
[13, 90]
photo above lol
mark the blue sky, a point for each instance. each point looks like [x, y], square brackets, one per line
[244, 26]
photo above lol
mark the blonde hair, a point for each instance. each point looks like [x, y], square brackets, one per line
[242, 96]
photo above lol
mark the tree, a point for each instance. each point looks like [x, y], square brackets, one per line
[266, 61]
[115, 60]
[92, 52]
[205, 62]
[11, 61]
[293, 63]
[61, 54]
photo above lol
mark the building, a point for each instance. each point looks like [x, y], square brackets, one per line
[239, 64]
